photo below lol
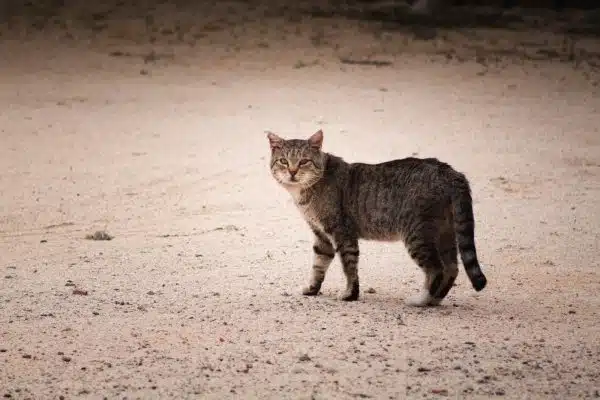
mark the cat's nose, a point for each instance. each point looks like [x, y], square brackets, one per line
[293, 172]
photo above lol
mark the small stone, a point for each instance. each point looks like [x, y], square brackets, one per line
[27, 356]
[442, 392]
[246, 368]
[80, 292]
[297, 370]
[66, 359]
[423, 369]
[304, 357]
[151, 293]
[500, 392]
[99, 235]
[371, 290]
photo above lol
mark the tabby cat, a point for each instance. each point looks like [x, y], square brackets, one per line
[423, 202]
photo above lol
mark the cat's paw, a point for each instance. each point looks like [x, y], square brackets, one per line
[423, 299]
[310, 291]
[350, 294]
[435, 302]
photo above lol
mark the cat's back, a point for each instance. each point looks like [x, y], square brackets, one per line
[401, 169]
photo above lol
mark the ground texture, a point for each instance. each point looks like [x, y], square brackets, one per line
[149, 126]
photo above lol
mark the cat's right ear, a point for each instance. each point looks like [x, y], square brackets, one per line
[316, 140]
[275, 141]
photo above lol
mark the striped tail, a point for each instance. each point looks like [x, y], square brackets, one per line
[464, 225]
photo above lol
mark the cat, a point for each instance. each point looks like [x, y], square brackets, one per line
[423, 202]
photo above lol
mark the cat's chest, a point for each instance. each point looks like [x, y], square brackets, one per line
[311, 216]
[309, 210]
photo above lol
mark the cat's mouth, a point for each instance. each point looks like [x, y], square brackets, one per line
[292, 182]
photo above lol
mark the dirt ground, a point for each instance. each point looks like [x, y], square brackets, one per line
[152, 129]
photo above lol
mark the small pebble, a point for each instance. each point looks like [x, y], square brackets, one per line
[99, 235]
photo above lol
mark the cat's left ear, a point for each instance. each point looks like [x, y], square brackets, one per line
[316, 140]
[275, 141]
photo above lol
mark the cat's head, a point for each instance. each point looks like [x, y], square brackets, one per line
[297, 163]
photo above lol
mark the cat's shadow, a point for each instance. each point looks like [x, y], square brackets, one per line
[389, 301]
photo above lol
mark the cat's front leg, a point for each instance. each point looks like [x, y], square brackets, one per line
[349, 252]
[323, 256]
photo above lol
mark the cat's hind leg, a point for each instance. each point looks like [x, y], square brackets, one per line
[323, 254]
[425, 253]
[449, 254]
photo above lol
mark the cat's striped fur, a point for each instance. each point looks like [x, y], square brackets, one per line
[423, 202]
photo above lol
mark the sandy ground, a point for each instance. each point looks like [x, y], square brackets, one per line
[155, 134]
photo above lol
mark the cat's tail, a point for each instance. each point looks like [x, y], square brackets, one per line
[464, 225]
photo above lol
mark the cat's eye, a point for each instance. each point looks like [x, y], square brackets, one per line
[283, 161]
[304, 161]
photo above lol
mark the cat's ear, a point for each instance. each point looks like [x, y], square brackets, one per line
[275, 141]
[316, 140]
